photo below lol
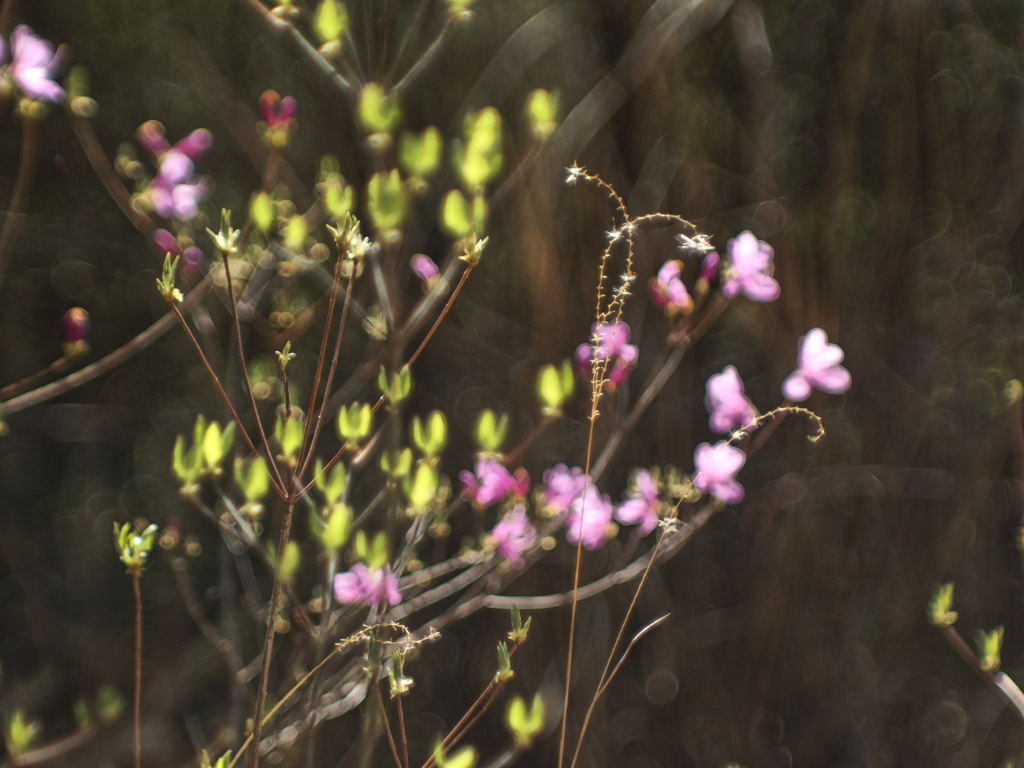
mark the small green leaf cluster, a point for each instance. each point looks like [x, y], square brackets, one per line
[133, 547]
[554, 387]
[210, 446]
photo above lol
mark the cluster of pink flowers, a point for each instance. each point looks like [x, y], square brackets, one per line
[362, 586]
[492, 483]
[175, 192]
[34, 64]
[610, 344]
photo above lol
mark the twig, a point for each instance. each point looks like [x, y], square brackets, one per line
[137, 590]
[22, 188]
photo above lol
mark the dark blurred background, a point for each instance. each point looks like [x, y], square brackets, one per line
[877, 146]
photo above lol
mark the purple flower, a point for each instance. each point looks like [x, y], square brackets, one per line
[425, 269]
[277, 112]
[378, 587]
[76, 325]
[749, 269]
[818, 366]
[491, 483]
[561, 487]
[611, 344]
[173, 193]
[168, 243]
[726, 402]
[715, 468]
[668, 291]
[590, 513]
[513, 535]
[34, 64]
[641, 506]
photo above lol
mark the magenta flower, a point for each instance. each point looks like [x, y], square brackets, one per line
[749, 269]
[726, 402]
[590, 514]
[491, 483]
[277, 112]
[715, 468]
[818, 366]
[168, 243]
[362, 586]
[513, 535]
[562, 486]
[34, 65]
[610, 343]
[668, 292]
[76, 325]
[425, 269]
[173, 193]
[641, 505]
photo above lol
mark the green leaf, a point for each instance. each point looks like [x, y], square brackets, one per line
[491, 431]
[524, 723]
[989, 648]
[464, 758]
[336, 531]
[378, 112]
[254, 480]
[288, 433]
[478, 157]
[940, 608]
[419, 155]
[355, 422]
[430, 441]
[289, 562]
[377, 557]
[295, 232]
[20, 733]
[331, 485]
[423, 487]
[216, 445]
[330, 21]
[396, 464]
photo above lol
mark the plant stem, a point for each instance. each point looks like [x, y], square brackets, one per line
[22, 188]
[137, 589]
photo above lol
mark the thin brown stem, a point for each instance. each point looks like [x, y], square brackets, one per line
[219, 387]
[387, 728]
[33, 380]
[107, 175]
[268, 642]
[279, 481]
[22, 188]
[401, 732]
[137, 589]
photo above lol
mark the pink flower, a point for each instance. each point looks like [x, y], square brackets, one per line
[277, 112]
[610, 343]
[668, 292]
[173, 193]
[513, 535]
[34, 64]
[168, 243]
[715, 468]
[817, 367]
[641, 506]
[749, 269]
[561, 487]
[491, 483]
[425, 269]
[726, 402]
[590, 513]
[360, 585]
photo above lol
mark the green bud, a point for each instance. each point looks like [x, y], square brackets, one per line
[330, 21]
[398, 388]
[504, 664]
[989, 647]
[216, 445]
[83, 715]
[422, 488]
[386, 201]
[226, 240]
[396, 464]
[460, 218]
[261, 211]
[336, 530]
[420, 155]
[288, 433]
[464, 758]
[473, 250]
[133, 548]
[491, 431]
[109, 704]
[295, 232]
[524, 723]
[396, 675]
[289, 562]
[542, 113]
[478, 156]
[166, 283]
[20, 734]
[331, 485]
[430, 441]
[253, 480]
[554, 387]
[378, 112]
[940, 607]
[285, 356]
[519, 630]
[354, 423]
[375, 553]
